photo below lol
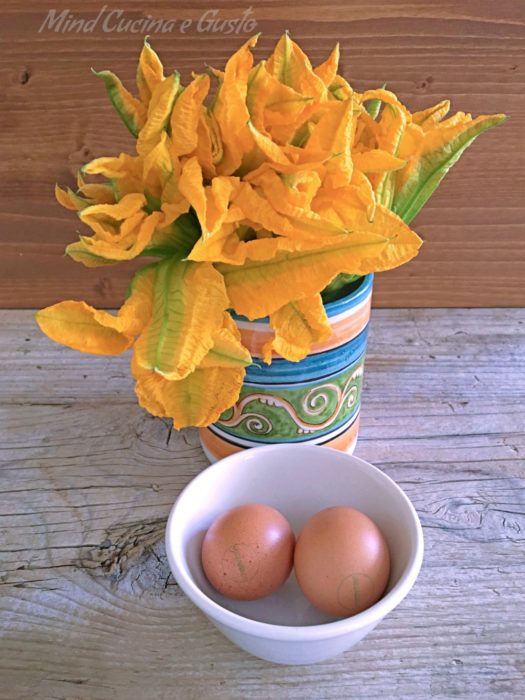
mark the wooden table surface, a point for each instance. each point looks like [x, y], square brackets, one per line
[89, 610]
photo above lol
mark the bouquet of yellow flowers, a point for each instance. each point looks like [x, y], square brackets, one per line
[286, 185]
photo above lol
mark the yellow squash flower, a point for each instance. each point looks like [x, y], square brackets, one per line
[257, 200]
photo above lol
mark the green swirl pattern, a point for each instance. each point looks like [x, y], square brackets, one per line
[280, 413]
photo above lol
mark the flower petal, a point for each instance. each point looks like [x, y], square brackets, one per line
[211, 203]
[292, 67]
[79, 253]
[137, 310]
[129, 109]
[125, 172]
[227, 351]
[197, 400]
[231, 112]
[125, 248]
[227, 247]
[440, 148]
[158, 167]
[327, 71]
[209, 149]
[218, 197]
[391, 128]
[377, 161]
[81, 327]
[385, 96]
[70, 200]
[191, 186]
[98, 194]
[258, 288]
[271, 103]
[101, 217]
[301, 224]
[335, 133]
[298, 325]
[159, 112]
[268, 148]
[150, 72]
[189, 301]
[186, 115]
[432, 115]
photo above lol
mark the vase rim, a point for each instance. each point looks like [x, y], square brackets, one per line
[338, 306]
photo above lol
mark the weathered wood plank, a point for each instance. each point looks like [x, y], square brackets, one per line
[55, 116]
[89, 610]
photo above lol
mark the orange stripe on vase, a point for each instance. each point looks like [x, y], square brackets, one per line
[215, 446]
[346, 329]
[219, 448]
[344, 441]
[349, 326]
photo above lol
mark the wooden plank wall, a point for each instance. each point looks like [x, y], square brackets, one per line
[55, 116]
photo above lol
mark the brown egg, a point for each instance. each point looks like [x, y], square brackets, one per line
[341, 561]
[248, 552]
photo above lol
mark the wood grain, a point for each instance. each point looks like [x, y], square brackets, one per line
[55, 117]
[89, 610]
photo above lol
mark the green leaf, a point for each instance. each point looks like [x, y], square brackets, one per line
[433, 165]
[175, 241]
[373, 106]
[339, 287]
[152, 203]
[302, 134]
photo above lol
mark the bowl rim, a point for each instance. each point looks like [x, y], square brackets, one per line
[223, 616]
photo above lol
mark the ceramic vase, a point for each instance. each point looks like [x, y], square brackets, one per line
[314, 401]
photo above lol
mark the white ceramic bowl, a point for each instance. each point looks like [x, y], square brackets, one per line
[298, 480]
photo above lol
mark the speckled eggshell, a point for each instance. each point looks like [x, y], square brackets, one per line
[247, 553]
[341, 561]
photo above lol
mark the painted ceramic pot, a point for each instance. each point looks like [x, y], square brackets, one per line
[314, 401]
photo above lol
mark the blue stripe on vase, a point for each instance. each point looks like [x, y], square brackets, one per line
[312, 368]
[333, 308]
